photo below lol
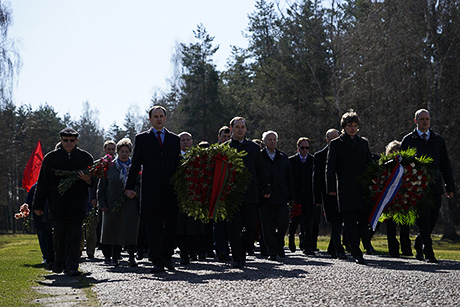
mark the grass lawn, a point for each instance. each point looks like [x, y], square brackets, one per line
[20, 269]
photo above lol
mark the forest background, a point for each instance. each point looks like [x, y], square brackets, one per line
[303, 68]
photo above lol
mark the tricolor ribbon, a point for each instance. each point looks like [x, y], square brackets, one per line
[218, 185]
[388, 193]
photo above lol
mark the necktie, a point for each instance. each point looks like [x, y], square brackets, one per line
[424, 135]
[159, 138]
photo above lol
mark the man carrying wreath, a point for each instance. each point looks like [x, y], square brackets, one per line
[428, 143]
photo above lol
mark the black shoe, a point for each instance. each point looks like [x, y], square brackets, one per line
[273, 258]
[309, 252]
[73, 273]
[432, 260]
[360, 261]
[157, 269]
[57, 269]
[408, 254]
[132, 263]
[251, 253]
[281, 253]
[223, 257]
[238, 264]
[107, 259]
[370, 251]
[419, 257]
[210, 254]
[342, 256]
[394, 255]
[139, 256]
[292, 246]
[90, 256]
[169, 265]
[184, 261]
[115, 263]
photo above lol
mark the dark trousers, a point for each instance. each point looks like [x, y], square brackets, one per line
[45, 238]
[425, 224]
[160, 230]
[294, 223]
[66, 238]
[308, 224]
[393, 243]
[274, 222]
[241, 242]
[335, 243]
[221, 238]
[354, 222]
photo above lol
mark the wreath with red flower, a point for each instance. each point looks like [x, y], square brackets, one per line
[414, 188]
[210, 182]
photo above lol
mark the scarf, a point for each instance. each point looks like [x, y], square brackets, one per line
[123, 167]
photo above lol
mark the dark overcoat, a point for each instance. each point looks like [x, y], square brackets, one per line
[434, 147]
[330, 205]
[303, 182]
[347, 159]
[280, 178]
[158, 164]
[71, 205]
[254, 164]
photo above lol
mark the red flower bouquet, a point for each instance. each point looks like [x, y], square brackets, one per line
[98, 169]
[23, 213]
[210, 182]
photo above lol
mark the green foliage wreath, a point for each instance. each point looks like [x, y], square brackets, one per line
[194, 179]
[413, 192]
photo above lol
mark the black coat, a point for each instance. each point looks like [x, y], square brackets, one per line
[303, 182]
[330, 205]
[280, 178]
[159, 163]
[347, 159]
[71, 205]
[254, 163]
[435, 147]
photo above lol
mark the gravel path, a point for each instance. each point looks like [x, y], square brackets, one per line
[297, 280]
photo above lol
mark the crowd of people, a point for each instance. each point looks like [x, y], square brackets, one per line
[138, 207]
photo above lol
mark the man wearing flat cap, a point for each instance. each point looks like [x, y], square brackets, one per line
[68, 210]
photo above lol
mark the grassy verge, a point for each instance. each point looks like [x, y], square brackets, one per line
[20, 269]
[443, 249]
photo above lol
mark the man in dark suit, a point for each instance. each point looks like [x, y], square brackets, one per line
[429, 143]
[347, 158]
[246, 218]
[331, 207]
[302, 169]
[157, 154]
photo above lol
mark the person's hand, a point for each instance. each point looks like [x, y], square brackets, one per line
[267, 195]
[130, 193]
[333, 193]
[105, 210]
[450, 194]
[85, 177]
[94, 203]
[38, 212]
[318, 204]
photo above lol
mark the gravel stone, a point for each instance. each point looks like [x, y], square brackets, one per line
[297, 280]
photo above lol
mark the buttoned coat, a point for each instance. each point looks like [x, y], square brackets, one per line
[347, 159]
[158, 165]
[280, 178]
[303, 182]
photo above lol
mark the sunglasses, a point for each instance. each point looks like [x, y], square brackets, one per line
[304, 147]
[68, 140]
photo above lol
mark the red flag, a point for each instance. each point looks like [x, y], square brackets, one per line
[33, 167]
